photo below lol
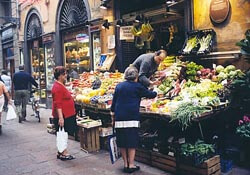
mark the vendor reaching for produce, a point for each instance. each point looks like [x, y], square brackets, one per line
[125, 112]
[147, 65]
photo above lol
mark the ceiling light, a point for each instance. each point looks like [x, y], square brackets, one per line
[119, 23]
[138, 18]
[104, 6]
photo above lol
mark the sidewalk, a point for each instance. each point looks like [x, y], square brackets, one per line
[27, 148]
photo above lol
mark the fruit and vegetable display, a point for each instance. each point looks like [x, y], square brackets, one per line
[187, 90]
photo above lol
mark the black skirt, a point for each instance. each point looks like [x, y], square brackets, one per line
[127, 137]
[70, 125]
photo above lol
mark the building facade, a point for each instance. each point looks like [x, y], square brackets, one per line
[9, 45]
[65, 32]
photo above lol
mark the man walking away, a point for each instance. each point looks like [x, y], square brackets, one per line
[21, 81]
[7, 81]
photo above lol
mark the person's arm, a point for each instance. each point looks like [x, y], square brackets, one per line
[144, 92]
[33, 81]
[58, 96]
[112, 112]
[5, 91]
[144, 69]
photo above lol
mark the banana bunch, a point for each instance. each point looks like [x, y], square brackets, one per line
[146, 28]
[168, 61]
[151, 37]
[135, 31]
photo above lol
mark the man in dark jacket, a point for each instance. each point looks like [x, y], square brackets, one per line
[147, 65]
[21, 81]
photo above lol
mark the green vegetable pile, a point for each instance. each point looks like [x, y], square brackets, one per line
[204, 42]
[244, 44]
[186, 112]
[191, 43]
[229, 72]
[199, 149]
[192, 69]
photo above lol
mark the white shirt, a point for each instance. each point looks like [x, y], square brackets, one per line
[7, 81]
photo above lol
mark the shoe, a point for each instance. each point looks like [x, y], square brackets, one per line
[131, 170]
[65, 157]
[125, 169]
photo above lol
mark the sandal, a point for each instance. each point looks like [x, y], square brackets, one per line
[131, 170]
[66, 157]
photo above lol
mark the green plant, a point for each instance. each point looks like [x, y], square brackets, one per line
[199, 148]
[244, 127]
[244, 44]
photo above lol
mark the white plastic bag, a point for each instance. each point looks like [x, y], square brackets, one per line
[61, 140]
[11, 114]
[114, 151]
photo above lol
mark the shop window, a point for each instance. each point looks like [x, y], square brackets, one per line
[77, 53]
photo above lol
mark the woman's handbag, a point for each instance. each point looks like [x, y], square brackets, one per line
[114, 151]
[11, 114]
[61, 140]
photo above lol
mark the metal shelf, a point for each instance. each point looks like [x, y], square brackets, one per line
[216, 55]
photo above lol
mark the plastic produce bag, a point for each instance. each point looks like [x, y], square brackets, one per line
[113, 149]
[61, 140]
[11, 114]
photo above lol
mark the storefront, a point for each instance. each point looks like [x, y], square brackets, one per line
[8, 47]
[73, 34]
[34, 59]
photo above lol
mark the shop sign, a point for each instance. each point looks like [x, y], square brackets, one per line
[219, 10]
[7, 34]
[81, 36]
[94, 28]
[125, 33]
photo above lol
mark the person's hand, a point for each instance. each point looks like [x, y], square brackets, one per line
[61, 122]
[157, 82]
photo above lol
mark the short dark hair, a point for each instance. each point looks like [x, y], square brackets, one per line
[4, 72]
[59, 70]
[157, 53]
[21, 67]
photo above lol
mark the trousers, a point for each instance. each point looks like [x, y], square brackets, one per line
[21, 101]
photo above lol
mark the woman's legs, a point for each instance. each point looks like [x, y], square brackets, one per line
[131, 157]
[124, 156]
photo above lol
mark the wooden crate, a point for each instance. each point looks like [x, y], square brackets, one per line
[89, 139]
[209, 167]
[164, 162]
[143, 156]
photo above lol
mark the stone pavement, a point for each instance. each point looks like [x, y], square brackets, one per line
[28, 149]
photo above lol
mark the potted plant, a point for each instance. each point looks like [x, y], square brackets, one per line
[243, 130]
[244, 44]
